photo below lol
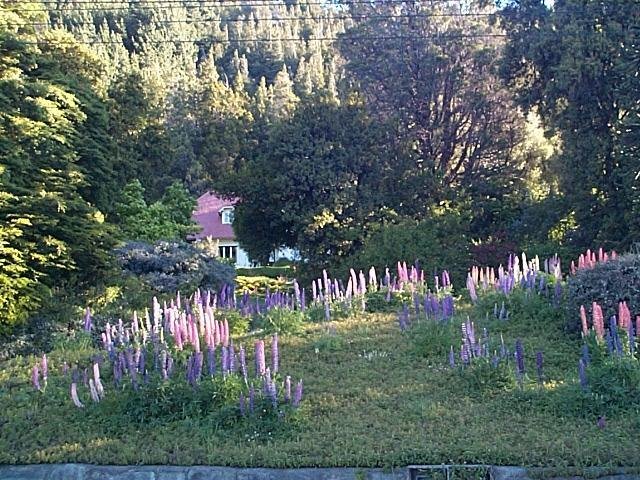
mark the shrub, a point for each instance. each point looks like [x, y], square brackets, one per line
[172, 266]
[271, 272]
[259, 285]
[238, 323]
[280, 320]
[607, 283]
[437, 244]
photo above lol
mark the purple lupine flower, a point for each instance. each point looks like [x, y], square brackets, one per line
[260, 360]
[464, 354]
[141, 363]
[582, 374]
[275, 354]
[131, 367]
[403, 318]
[117, 373]
[615, 337]
[297, 395]
[243, 363]
[273, 393]
[225, 361]
[287, 389]
[88, 324]
[35, 377]
[169, 365]
[539, 365]
[242, 405]
[198, 362]
[609, 342]
[211, 361]
[586, 357]
[557, 293]
[252, 398]
[233, 365]
[519, 355]
[452, 358]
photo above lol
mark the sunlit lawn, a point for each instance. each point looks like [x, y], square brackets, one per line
[374, 396]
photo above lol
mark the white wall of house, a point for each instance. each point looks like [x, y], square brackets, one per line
[231, 248]
[285, 253]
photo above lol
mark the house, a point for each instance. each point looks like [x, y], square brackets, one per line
[215, 215]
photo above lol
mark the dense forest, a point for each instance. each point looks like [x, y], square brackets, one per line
[359, 132]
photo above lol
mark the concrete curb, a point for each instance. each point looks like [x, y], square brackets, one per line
[74, 471]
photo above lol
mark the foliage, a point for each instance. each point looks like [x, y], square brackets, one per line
[436, 243]
[358, 375]
[450, 115]
[280, 320]
[313, 184]
[260, 285]
[51, 233]
[239, 324]
[169, 267]
[607, 283]
[166, 219]
[570, 63]
[270, 271]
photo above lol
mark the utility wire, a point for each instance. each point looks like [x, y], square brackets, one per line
[100, 5]
[288, 19]
[250, 40]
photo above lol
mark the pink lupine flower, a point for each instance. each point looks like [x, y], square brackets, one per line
[275, 354]
[583, 318]
[624, 315]
[598, 321]
[297, 396]
[74, 396]
[45, 368]
[260, 360]
[35, 377]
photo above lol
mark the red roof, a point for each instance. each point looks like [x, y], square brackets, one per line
[208, 215]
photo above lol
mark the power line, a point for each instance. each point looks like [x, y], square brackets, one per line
[99, 5]
[248, 40]
[287, 19]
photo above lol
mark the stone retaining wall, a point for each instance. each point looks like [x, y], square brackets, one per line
[97, 472]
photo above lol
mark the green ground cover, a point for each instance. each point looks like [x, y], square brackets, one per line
[374, 396]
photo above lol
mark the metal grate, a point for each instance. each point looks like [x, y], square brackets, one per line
[450, 472]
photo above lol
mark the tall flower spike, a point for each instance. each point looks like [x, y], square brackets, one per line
[275, 354]
[74, 396]
[583, 318]
[287, 389]
[35, 377]
[297, 396]
[260, 360]
[45, 369]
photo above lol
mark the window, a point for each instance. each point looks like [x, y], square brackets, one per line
[227, 251]
[227, 216]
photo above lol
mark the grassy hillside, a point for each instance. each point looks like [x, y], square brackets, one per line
[374, 396]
